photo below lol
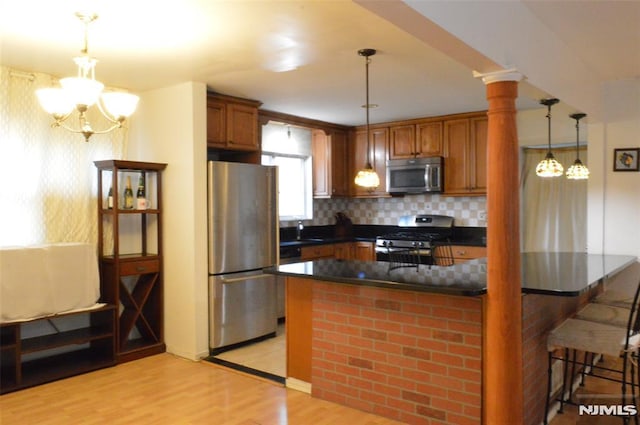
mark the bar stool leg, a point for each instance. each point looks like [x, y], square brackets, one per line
[564, 380]
[547, 401]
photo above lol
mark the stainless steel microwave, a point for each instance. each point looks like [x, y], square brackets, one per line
[417, 175]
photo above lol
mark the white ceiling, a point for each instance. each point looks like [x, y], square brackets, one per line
[300, 57]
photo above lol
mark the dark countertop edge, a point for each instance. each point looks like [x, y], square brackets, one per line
[469, 292]
[323, 241]
[533, 291]
[328, 241]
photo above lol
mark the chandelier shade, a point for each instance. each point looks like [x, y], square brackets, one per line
[82, 92]
[549, 166]
[578, 171]
[367, 177]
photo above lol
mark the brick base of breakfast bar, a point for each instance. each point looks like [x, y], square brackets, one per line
[409, 344]
[416, 357]
[411, 356]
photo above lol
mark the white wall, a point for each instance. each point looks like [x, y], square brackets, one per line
[170, 126]
[614, 197]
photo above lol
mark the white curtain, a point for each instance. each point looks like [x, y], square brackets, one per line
[48, 182]
[554, 209]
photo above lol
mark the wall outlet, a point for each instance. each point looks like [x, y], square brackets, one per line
[482, 215]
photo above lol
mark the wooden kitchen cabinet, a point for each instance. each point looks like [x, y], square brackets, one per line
[465, 151]
[462, 253]
[232, 123]
[364, 251]
[343, 251]
[359, 250]
[130, 257]
[416, 140]
[378, 155]
[316, 252]
[329, 155]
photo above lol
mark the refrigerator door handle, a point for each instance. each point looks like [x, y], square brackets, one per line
[244, 278]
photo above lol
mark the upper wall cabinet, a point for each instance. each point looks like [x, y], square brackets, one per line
[415, 140]
[329, 163]
[465, 151]
[378, 155]
[232, 123]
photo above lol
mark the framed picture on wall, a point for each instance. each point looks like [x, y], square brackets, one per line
[626, 159]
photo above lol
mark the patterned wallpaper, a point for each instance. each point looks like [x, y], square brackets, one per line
[468, 211]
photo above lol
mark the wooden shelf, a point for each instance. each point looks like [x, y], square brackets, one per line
[20, 369]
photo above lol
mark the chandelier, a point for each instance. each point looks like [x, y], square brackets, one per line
[578, 171]
[367, 177]
[549, 166]
[82, 92]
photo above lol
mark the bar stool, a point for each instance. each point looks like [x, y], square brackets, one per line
[597, 338]
[620, 288]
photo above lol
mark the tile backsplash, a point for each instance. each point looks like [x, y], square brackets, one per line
[468, 211]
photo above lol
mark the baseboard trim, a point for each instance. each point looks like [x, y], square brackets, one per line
[298, 385]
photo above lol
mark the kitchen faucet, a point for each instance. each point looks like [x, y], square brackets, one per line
[299, 228]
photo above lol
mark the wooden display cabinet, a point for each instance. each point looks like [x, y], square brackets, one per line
[130, 257]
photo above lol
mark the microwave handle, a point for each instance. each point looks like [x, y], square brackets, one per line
[431, 177]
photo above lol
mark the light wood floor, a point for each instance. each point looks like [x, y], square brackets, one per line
[164, 389]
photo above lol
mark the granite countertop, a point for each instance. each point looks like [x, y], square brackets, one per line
[320, 235]
[563, 274]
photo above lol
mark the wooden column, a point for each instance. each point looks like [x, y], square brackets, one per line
[502, 356]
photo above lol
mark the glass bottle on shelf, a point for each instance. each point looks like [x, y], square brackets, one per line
[141, 202]
[110, 199]
[128, 195]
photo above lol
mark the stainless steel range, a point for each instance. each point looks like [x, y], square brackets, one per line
[416, 235]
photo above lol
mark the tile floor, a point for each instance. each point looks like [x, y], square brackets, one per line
[268, 356]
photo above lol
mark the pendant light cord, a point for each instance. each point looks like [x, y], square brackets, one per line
[367, 61]
[549, 128]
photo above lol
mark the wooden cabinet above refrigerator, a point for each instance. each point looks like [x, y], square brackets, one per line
[232, 123]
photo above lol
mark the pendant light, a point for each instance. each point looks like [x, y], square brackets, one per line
[549, 167]
[578, 171]
[367, 177]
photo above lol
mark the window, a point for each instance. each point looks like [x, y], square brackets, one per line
[289, 148]
[294, 190]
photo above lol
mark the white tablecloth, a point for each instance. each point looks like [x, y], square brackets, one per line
[44, 280]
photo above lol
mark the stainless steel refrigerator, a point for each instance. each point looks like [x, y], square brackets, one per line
[243, 240]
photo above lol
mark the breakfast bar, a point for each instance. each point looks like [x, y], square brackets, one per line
[408, 343]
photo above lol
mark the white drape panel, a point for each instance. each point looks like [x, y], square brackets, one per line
[554, 209]
[48, 182]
